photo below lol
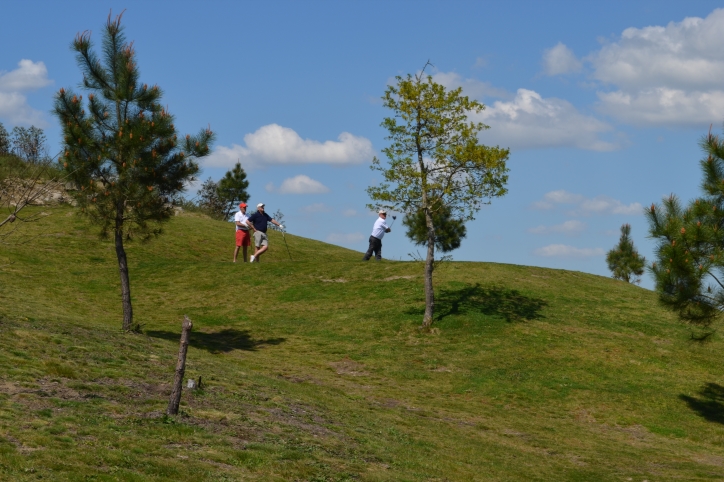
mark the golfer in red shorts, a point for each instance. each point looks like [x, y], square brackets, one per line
[243, 237]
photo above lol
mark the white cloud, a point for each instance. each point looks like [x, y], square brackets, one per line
[607, 205]
[28, 76]
[685, 55]
[560, 60]
[568, 227]
[587, 206]
[664, 106]
[345, 238]
[531, 121]
[14, 106]
[300, 184]
[348, 213]
[315, 208]
[553, 198]
[527, 120]
[665, 75]
[563, 250]
[276, 145]
[471, 87]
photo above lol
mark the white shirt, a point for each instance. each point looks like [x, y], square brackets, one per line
[378, 231]
[240, 217]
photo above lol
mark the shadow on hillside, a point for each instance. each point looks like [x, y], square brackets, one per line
[709, 404]
[508, 304]
[222, 341]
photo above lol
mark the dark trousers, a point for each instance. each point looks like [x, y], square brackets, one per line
[376, 247]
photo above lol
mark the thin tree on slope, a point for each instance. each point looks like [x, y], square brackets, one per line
[436, 162]
[121, 148]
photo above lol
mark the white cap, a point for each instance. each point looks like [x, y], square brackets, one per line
[260, 205]
[381, 211]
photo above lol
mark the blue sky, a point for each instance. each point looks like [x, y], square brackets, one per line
[601, 103]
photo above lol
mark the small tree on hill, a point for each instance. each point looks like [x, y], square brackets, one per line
[24, 184]
[220, 199]
[278, 216]
[435, 160]
[232, 189]
[4, 141]
[209, 199]
[121, 148]
[29, 144]
[624, 261]
[449, 232]
[689, 266]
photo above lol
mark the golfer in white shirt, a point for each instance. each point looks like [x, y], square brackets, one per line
[378, 232]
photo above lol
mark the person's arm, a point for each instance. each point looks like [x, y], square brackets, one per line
[249, 222]
[273, 221]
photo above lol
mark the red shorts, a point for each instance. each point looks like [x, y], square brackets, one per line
[243, 238]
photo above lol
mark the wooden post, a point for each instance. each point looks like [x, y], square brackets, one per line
[175, 400]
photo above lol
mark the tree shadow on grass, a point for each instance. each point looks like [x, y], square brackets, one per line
[709, 404]
[508, 304]
[223, 341]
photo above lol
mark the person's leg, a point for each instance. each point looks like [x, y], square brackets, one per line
[245, 242]
[264, 241]
[257, 245]
[371, 248]
[262, 244]
[378, 251]
[260, 251]
[238, 244]
[236, 252]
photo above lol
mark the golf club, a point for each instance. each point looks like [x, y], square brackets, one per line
[394, 218]
[285, 244]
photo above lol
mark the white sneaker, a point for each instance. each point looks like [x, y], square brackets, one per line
[251, 260]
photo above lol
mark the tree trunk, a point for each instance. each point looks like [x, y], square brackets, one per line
[175, 400]
[9, 219]
[429, 266]
[123, 270]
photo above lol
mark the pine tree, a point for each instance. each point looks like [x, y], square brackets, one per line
[121, 147]
[220, 199]
[624, 261]
[689, 266]
[232, 189]
[449, 231]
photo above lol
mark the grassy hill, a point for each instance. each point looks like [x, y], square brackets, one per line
[314, 369]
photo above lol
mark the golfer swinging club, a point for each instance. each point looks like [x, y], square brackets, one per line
[378, 232]
[259, 221]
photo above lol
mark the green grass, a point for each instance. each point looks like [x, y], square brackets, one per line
[314, 369]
